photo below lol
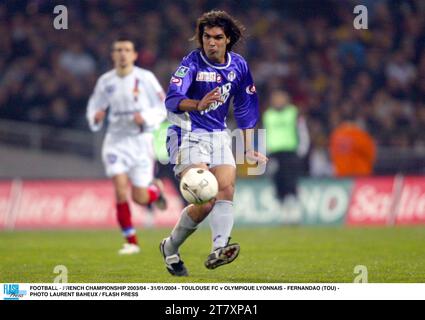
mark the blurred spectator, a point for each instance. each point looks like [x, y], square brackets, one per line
[58, 115]
[352, 150]
[76, 61]
[319, 161]
[287, 142]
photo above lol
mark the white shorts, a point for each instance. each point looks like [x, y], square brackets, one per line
[132, 155]
[187, 148]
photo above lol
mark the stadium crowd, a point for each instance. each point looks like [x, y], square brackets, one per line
[308, 48]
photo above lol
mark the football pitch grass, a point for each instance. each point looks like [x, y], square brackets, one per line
[275, 254]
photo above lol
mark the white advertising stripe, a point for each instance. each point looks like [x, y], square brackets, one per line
[210, 291]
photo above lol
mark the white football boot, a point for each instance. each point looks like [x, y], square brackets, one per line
[129, 248]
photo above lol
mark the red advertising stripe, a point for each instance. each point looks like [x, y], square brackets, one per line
[371, 201]
[65, 204]
[83, 204]
[411, 205]
[5, 202]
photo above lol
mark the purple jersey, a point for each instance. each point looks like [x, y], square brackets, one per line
[196, 76]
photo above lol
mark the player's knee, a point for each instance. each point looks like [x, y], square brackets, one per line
[207, 207]
[140, 197]
[137, 199]
[226, 192]
[121, 196]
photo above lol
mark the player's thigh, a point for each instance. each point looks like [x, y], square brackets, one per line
[120, 182]
[187, 152]
[223, 166]
[226, 176]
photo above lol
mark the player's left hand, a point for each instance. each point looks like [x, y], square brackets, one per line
[256, 156]
[138, 119]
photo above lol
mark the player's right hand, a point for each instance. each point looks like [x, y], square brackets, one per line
[138, 119]
[256, 156]
[211, 97]
[99, 116]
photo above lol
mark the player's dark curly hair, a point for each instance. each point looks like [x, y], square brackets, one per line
[232, 28]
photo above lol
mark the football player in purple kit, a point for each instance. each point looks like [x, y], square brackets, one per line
[198, 102]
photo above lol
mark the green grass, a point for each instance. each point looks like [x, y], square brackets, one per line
[281, 254]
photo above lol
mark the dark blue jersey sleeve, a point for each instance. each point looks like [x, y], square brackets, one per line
[179, 85]
[245, 102]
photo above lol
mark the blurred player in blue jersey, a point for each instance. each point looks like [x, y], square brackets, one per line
[198, 102]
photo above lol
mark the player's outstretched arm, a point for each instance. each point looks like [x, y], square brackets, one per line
[201, 105]
[138, 119]
[96, 107]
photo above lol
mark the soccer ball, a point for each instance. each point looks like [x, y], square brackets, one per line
[198, 186]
